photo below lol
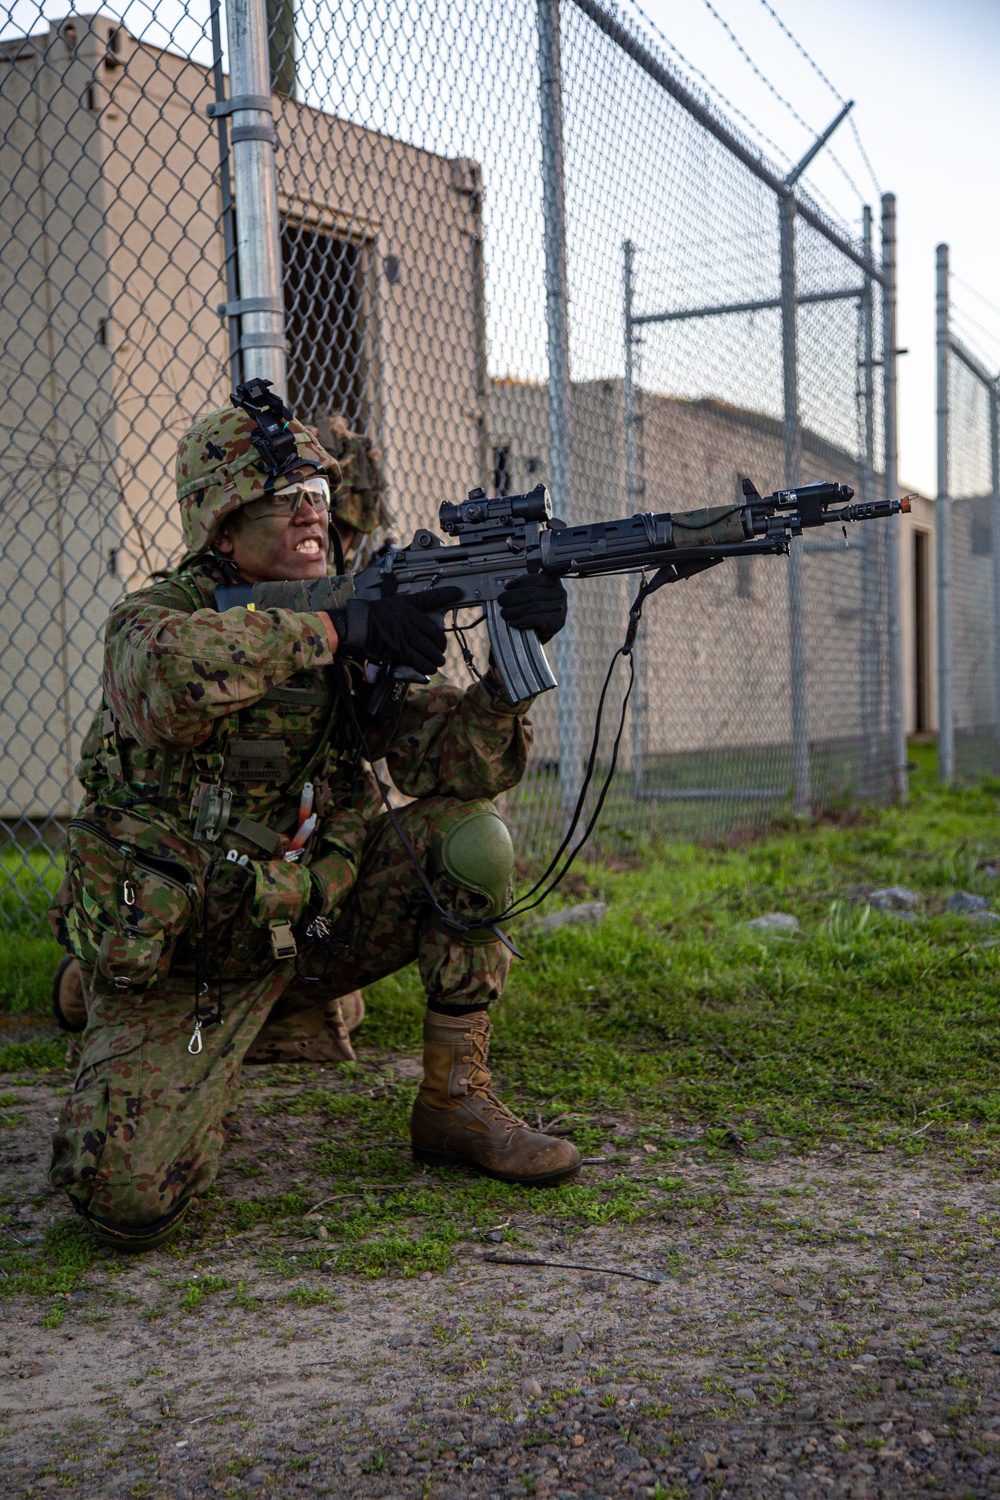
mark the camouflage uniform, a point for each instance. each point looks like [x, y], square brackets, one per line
[200, 704]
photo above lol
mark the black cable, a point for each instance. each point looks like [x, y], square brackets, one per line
[451, 920]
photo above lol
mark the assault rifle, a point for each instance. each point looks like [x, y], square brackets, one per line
[498, 539]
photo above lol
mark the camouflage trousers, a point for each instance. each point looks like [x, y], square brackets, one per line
[144, 1127]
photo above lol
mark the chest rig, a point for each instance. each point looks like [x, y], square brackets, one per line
[248, 756]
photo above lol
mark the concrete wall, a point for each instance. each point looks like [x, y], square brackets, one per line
[714, 653]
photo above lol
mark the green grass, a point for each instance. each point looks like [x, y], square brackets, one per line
[672, 1023]
[673, 1011]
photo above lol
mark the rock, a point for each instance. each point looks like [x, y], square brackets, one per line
[400, 1341]
[591, 913]
[531, 1389]
[744, 1393]
[984, 918]
[894, 898]
[572, 1342]
[774, 921]
[964, 903]
[256, 1476]
[628, 1461]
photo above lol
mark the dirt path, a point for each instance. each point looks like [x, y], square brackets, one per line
[824, 1326]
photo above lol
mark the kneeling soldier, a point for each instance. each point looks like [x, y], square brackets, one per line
[225, 747]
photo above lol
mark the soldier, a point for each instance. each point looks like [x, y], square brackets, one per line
[226, 746]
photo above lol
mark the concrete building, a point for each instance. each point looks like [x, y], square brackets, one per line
[111, 280]
[714, 663]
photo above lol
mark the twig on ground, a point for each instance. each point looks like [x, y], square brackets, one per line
[724, 1051]
[500, 1258]
[375, 1187]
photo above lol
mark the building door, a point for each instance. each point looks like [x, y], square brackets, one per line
[921, 629]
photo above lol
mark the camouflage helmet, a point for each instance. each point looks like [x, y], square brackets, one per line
[219, 471]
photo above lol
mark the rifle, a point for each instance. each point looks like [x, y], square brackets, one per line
[498, 539]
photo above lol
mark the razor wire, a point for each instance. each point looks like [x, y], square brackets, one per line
[416, 290]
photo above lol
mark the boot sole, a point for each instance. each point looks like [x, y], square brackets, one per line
[428, 1158]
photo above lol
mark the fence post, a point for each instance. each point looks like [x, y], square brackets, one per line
[946, 724]
[632, 493]
[994, 399]
[897, 718]
[869, 644]
[557, 321]
[258, 241]
[801, 779]
[226, 193]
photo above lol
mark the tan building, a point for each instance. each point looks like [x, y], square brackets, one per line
[111, 280]
[715, 657]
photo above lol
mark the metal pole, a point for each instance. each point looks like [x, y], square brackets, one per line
[632, 506]
[869, 644]
[894, 587]
[994, 399]
[226, 193]
[801, 780]
[258, 240]
[557, 320]
[946, 724]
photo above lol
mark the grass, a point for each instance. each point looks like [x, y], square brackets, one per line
[672, 1023]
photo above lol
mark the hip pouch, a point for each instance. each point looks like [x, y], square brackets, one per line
[133, 896]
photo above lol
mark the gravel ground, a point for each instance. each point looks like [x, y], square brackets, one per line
[826, 1325]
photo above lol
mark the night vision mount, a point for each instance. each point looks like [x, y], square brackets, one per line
[279, 454]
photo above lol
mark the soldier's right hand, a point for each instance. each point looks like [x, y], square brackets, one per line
[399, 630]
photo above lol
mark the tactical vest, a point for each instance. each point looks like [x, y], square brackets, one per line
[175, 860]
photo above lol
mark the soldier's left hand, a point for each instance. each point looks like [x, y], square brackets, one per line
[535, 601]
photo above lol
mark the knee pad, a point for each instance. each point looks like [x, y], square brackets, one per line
[477, 854]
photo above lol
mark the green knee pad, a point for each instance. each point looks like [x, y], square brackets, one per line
[477, 854]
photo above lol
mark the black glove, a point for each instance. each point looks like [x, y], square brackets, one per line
[398, 629]
[535, 601]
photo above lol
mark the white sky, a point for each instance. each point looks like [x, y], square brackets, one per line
[924, 77]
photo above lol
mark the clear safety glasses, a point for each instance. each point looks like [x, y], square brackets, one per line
[287, 502]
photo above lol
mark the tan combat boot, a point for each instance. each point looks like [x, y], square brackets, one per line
[68, 1004]
[297, 1031]
[459, 1121]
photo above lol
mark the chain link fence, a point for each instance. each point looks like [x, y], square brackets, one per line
[968, 540]
[512, 244]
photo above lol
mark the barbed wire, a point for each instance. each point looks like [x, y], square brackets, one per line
[782, 26]
[831, 155]
[783, 156]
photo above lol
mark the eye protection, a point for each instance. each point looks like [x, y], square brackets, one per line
[287, 502]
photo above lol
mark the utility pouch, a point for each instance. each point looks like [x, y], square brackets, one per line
[281, 892]
[130, 905]
[210, 804]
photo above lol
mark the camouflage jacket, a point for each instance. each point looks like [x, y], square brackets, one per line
[246, 700]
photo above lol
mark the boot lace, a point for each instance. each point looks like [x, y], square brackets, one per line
[479, 1081]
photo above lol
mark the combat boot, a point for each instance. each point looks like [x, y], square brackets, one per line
[299, 1030]
[68, 1004]
[459, 1121]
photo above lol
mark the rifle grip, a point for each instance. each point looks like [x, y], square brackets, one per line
[518, 658]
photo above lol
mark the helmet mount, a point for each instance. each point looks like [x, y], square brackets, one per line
[275, 443]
